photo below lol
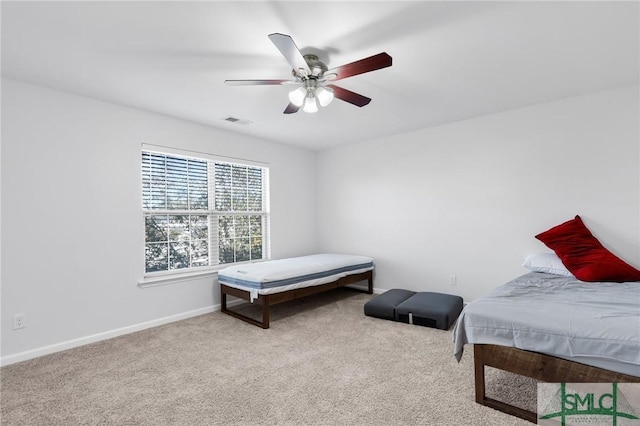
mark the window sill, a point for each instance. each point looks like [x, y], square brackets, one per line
[157, 280]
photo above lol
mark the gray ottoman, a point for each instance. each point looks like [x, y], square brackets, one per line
[384, 305]
[436, 310]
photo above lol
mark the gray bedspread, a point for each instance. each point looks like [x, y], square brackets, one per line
[593, 323]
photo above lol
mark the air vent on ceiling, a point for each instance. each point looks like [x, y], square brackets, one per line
[237, 120]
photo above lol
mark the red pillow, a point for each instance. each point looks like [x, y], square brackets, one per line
[583, 254]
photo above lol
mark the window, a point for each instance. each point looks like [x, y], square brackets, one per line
[201, 212]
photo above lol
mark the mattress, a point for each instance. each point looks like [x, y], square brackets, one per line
[297, 272]
[596, 324]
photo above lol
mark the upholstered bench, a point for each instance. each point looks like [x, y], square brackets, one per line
[384, 305]
[437, 310]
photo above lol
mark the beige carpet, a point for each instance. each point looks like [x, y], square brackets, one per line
[322, 363]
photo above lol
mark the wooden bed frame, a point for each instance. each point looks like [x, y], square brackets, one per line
[538, 366]
[268, 300]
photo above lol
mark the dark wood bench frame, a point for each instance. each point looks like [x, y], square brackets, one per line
[538, 366]
[267, 300]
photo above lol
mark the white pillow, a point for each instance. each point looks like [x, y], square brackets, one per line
[548, 263]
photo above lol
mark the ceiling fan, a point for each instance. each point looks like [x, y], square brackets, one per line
[313, 77]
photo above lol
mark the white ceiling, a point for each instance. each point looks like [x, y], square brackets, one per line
[451, 60]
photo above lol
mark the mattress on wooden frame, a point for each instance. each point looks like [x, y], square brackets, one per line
[515, 329]
[283, 280]
[596, 324]
[274, 276]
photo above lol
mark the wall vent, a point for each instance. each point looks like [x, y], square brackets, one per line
[236, 120]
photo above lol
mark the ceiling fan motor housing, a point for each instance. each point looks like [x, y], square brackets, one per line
[317, 67]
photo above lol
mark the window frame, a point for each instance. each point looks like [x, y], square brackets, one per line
[183, 274]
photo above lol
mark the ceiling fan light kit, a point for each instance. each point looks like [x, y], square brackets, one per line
[297, 96]
[324, 95]
[310, 95]
[313, 77]
[310, 105]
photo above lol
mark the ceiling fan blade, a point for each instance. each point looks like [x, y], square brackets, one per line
[255, 82]
[372, 63]
[349, 96]
[290, 51]
[291, 108]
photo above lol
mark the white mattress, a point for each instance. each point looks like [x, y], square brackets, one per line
[596, 324]
[280, 275]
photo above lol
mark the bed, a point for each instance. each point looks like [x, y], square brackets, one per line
[276, 281]
[553, 328]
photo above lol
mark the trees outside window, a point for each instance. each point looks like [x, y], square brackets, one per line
[200, 212]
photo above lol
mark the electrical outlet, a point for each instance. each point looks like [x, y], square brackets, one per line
[19, 321]
[453, 280]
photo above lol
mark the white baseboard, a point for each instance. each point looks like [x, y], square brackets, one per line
[74, 343]
[81, 341]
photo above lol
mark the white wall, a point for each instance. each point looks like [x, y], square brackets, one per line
[72, 230]
[464, 199]
[467, 198]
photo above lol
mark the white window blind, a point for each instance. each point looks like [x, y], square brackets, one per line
[201, 212]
